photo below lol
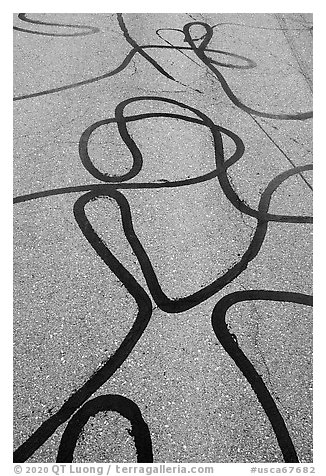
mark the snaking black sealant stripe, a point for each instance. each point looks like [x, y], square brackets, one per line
[246, 367]
[136, 49]
[117, 403]
[200, 52]
[248, 63]
[142, 299]
[117, 70]
[115, 361]
[220, 171]
[140, 49]
[183, 304]
[90, 30]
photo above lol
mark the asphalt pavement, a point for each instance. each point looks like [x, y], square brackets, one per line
[162, 163]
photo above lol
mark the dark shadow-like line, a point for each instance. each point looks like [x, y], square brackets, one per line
[23, 17]
[116, 403]
[200, 52]
[246, 367]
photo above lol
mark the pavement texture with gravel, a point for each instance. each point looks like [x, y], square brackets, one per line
[249, 86]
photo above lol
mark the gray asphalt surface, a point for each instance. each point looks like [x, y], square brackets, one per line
[71, 312]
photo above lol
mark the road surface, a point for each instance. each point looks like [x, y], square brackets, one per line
[162, 237]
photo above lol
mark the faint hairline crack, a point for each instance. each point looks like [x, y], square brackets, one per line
[262, 356]
[158, 91]
[261, 353]
[279, 148]
[293, 139]
[302, 68]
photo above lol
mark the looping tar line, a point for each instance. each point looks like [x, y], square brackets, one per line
[79, 408]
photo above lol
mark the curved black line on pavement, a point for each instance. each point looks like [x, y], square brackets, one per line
[139, 49]
[116, 403]
[221, 165]
[121, 67]
[102, 189]
[136, 49]
[23, 17]
[190, 301]
[183, 304]
[79, 397]
[114, 181]
[132, 286]
[121, 121]
[248, 62]
[220, 171]
[200, 52]
[117, 70]
[246, 367]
